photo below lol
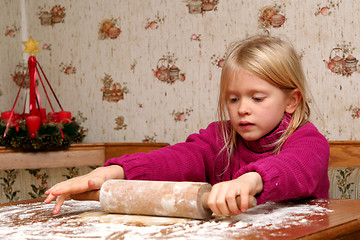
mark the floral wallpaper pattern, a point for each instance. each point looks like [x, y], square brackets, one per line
[148, 71]
[21, 184]
[271, 16]
[109, 29]
[50, 17]
[112, 91]
[167, 71]
[8, 181]
[344, 182]
[341, 61]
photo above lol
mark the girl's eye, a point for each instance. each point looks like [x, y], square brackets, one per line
[258, 99]
[233, 99]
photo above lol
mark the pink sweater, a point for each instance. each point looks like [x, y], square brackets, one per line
[298, 171]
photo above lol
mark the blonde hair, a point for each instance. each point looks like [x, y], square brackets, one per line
[274, 61]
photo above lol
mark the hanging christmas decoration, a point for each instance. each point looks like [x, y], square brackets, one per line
[36, 130]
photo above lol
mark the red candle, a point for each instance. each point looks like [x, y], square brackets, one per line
[33, 125]
[64, 116]
[32, 73]
[5, 115]
[34, 112]
[41, 113]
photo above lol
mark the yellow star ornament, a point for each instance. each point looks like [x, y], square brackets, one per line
[31, 46]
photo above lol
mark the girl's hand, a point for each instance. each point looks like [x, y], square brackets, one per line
[222, 198]
[82, 187]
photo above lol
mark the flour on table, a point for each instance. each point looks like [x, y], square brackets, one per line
[138, 220]
[86, 220]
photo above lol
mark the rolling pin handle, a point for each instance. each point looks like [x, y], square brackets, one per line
[204, 200]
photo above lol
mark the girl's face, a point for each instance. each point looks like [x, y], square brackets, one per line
[255, 106]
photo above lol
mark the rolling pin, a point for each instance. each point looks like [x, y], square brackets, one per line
[171, 199]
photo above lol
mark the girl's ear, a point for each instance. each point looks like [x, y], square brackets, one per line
[294, 98]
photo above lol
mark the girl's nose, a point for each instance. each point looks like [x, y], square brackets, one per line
[243, 109]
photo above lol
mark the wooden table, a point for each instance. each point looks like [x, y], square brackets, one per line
[310, 219]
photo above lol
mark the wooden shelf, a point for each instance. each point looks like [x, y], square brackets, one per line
[81, 154]
[342, 154]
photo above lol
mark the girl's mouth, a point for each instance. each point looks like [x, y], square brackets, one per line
[246, 125]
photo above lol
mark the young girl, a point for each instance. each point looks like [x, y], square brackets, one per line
[267, 148]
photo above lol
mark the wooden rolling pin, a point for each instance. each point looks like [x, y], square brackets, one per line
[171, 199]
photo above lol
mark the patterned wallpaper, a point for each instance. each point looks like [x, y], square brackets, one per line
[135, 71]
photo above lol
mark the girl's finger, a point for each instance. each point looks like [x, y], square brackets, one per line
[49, 198]
[212, 201]
[67, 188]
[233, 206]
[221, 201]
[244, 202]
[59, 201]
[95, 183]
[91, 184]
[91, 195]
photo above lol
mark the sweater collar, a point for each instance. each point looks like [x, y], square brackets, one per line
[265, 144]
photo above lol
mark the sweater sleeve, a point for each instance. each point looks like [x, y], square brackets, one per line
[191, 160]
[298, 171]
